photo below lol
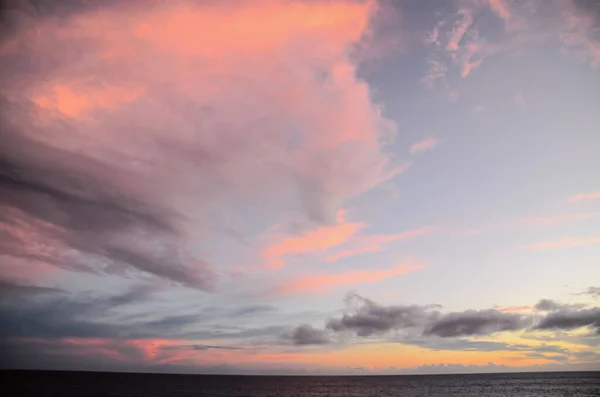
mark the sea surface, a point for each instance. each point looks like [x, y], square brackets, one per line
[87, 384]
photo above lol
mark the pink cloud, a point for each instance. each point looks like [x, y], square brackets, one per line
[136, 110]
[424, 145]
[580, 30]
[437, 70]
[500, 8]
[549, 220]
[584, 196]
[323, 283]
[312, 241]
[460, 29]
[367, 244]
[514, 309]
[565, 243]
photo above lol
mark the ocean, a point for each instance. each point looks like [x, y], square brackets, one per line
[89, 384]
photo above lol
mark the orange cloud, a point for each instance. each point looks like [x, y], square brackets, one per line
[367, 244]
[424, 145]
[567, 242]
[584, 196]
[316, 240]
[326, 282]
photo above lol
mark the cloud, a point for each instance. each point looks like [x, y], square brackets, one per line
[593, 291]
[366, 244]
[475, 322]
[48, 313]
[459, 344]
[425, 325]
[565, 243]
[460, 28]
[550, 220]
[306, 334]
[370, 318]
[548, 305]
[571, 319]
[582, 21]
[424, 145]
[121, 135]
[514, 309]
[316, 240]
[322, 283]
[584, 196]
[500, 8]
[437, 70]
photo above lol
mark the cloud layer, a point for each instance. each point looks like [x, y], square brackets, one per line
[366, 318]
[122, 135]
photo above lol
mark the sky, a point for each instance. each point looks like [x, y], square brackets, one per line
[300, 187]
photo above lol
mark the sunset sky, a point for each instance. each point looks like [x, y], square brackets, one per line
[300, 187]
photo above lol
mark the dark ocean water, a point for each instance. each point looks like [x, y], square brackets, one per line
[87, 384]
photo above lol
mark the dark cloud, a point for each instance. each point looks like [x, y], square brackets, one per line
[571, 319]
[8, 289]
[475, 322]
[548, 305]
[593, 291]
[306, 334]
[38, 312]
[82, 220]
[48, 313]
[370, 318]
[428, 327]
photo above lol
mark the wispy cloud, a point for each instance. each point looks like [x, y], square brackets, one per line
[582, 21]
[562, 218]
[585, 196]
[312, 241]
[500, 8]
[565, 243]
[437, 70]
[514, 309]
[323, 283]
[424, 145]
[459, 29]
[365, 244]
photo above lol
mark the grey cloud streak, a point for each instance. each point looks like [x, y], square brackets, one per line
[427, 325]
[475, 322]
[371, 318]
[571, 319]
[82, 220]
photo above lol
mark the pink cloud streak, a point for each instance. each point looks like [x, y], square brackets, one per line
[367, 244]
[323, 283]
[424, 145]
[565, 243]
[584, 196]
